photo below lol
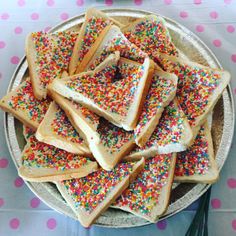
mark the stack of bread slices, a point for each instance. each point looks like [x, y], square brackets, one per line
[113, 114]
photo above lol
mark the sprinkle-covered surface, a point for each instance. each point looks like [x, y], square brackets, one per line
[41, 155]
[53, 53]
[61, 126]
[25, 101]
[112, 137]
[195, 87]
[159, 92]
[88, 115]
[151, 36]
[144, 193]
[90, 191]
[93, 29]
[27, 132]
[169, 130]
[114, 97]
[122, 44]
[195, 160]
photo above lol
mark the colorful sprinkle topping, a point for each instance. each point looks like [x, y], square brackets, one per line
[27, 132]
[143, 194]
[93, 29]
[53, 53]
[90, 191]
[194, 160]
[112, 137]
[122, 44]
[62, 127]
[115, 97]
[195, 87]
[151, 36]
[159, 92]
[25, 101]
[88, 115]
[38, 155]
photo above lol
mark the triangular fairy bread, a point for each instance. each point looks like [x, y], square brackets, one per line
[94, 28]
[148, 195]
[199, 87]
[42, 162]
[22, 104]
[107, 142]
[161, 93]
[197, 164]
[172, 134]
[90, 196]
[48, 55]
[114, 40]
[151, 35]
[55, 129]
[117, 100]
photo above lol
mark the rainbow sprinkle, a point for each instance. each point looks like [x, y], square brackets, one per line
[115, 97]
[53, 53]
[119, 43]
[90, 191]
[25, 101]
[195, 87]
[143, 194]
[27, 132]
[159, 92]
[195, 160]
[151, 36]
[41, 155]
[93, 29]
[113, 138]
[61, 126]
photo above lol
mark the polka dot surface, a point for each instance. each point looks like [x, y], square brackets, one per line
[200, 28]
[233, 58]
[15, 60]
[183, 14]
[138, 2]
[197, 2]
[21, 3]
[3, 161]
[109, 2]
[162, 224]
[50, 3]
[18, 30]
[5, 16]
[217, 42]
[34, 16]
[1, 202]
[231, 182]
[51, 223]
[64, 16]
[216, 203]
[18, 182]
[80, 2]
[34, 203]
[214, 15]
[167, 2]
[230, 28]
[14, 223]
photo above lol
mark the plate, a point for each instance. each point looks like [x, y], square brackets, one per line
[182, 194]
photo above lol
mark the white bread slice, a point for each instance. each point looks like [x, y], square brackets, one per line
[113, 41]
[90, 196]
[120, 102]
[42, 162]
[151, 35]
[148, 196]
[161, 92]
[23, 105]
[27, 132]
[94, 28]
[197, 164]
[199, 87]
[108, 143]
[172, 134]
[48, 55]
[55, 129]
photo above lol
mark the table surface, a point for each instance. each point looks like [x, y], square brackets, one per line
[21, 212]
